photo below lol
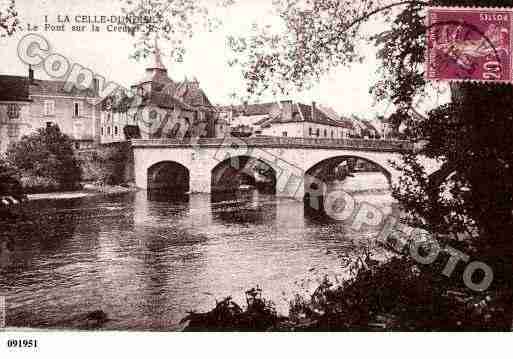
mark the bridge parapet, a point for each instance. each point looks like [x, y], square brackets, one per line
[283, 142]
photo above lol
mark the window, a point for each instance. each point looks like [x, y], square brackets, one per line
[13, 131]
[325, 133]
[13, 111]
[49, 108]
[102, 131]
[310, 131]
[76, 109]
[318, 132]
[284, 133]
[331, 133]
[108, 130]
[116, 130]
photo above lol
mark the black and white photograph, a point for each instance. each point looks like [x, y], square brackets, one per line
[254, 166]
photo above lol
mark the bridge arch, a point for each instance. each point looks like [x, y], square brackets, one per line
[168, 176]
[330, 168]
[339, 172]
[243, 171]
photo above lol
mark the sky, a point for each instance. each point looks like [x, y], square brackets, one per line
[346, 89]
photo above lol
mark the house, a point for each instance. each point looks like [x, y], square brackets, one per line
[349, 129]
[244, 120]
[27, 103]
[160, 107]
[384, 126]
[364, 128]
[14, 110]
[284, 119]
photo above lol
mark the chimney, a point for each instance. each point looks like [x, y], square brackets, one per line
[96, 87]
[314, 112]
[31, 74]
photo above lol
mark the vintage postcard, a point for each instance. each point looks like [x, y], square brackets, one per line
[254, 166]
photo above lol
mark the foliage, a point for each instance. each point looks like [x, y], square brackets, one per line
[259, 315]
[170, 20]
[47, 153]
[397, 295]
[315, 36]
[106, 165]
[9, 180]
[114, 161]
[37, 184]
[9, 19]
[471, 196]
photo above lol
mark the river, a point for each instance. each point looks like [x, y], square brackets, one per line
[147, 260]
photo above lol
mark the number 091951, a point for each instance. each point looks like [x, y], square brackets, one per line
[22, 343]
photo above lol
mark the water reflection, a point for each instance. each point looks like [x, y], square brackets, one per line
[146, 259]
[243, 206]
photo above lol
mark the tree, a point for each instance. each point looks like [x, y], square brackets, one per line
[9, 20]
[172, 21]
[471, 136]
[48, 153]
[9, 181]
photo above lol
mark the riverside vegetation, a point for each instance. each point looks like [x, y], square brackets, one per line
[397, 295]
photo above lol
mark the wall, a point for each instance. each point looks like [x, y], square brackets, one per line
[301, 129]
[149, 127]
[338, 132]
[82, 127]
[17, 127]
[293, 129]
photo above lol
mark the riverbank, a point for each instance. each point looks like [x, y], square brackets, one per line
[397, 295]
[89, 190]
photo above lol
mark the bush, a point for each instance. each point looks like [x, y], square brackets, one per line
[9, 181]
[47, 154]
[36, 184]
[259, 315]
[106, 165]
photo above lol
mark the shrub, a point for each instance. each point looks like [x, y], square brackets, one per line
[9, 180]
[37, 184]
[48, 153]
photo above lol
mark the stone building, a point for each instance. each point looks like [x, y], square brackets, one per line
[27, 104]
[159, 107]
[285, 119]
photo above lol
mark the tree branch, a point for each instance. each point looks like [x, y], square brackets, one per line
[375, 12]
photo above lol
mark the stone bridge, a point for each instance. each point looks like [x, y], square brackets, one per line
[295, 162]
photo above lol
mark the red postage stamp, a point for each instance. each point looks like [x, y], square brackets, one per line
[469, 44]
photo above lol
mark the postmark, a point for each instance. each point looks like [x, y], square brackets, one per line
[469, 44]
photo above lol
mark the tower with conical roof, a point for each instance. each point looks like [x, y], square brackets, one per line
[156, 77]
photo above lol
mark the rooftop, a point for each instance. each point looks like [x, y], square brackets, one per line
[14, 88]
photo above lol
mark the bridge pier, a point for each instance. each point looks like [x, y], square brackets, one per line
[200, 182]
[141, 179]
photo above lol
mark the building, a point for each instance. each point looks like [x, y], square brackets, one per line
[349, 129]
[284, 119]
[364, 128]
[156, 107]
[384, 126]
[159, 107]
[27, 104]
